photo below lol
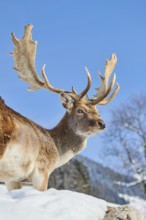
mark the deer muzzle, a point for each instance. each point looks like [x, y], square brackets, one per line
[98, 123]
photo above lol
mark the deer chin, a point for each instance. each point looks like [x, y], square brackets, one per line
[90, 133]
[95, 132]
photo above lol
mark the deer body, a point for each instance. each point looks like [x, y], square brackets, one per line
[31, 149]
[31, 152]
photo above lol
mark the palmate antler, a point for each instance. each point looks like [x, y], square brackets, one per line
[24, 63]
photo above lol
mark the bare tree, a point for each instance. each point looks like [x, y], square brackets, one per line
[127, 136]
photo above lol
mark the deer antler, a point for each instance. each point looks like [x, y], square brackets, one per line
[104, 90]
[24, 63]
[24, 59]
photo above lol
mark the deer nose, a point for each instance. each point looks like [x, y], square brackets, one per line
[101, 124]
[98, 122]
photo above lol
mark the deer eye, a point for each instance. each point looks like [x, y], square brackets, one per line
[80, 111]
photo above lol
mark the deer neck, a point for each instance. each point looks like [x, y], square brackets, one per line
[65, 137]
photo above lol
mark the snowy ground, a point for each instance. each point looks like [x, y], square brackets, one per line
[136, 202]
[30, 204]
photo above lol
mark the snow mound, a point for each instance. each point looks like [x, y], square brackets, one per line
[136, 202]
[29, 204]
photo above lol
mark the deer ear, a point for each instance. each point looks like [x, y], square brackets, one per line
[66, 100]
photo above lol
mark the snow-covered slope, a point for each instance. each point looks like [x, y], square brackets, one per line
[29, 204]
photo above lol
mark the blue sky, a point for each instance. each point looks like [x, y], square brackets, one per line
[72, 34]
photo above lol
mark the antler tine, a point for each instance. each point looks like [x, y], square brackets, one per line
[110, 65]
[48, 84]
[74, 91]
[107, 100]
[84, 92]
[104, 90]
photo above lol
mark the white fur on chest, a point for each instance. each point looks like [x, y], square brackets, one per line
[65, 158]
[69, 155]
[15, 165]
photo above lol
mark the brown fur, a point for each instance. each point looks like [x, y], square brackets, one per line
[6, 127]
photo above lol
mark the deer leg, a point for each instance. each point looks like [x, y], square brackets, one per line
[40, 180]
[13, 185]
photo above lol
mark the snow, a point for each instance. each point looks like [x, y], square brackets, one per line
[135, 202]
[127, 184]
[29, 204]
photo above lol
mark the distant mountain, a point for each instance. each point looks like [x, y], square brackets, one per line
[86, 176]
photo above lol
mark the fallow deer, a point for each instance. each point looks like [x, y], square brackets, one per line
[31, 152]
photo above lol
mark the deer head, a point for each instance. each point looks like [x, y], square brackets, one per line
[82, 115]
